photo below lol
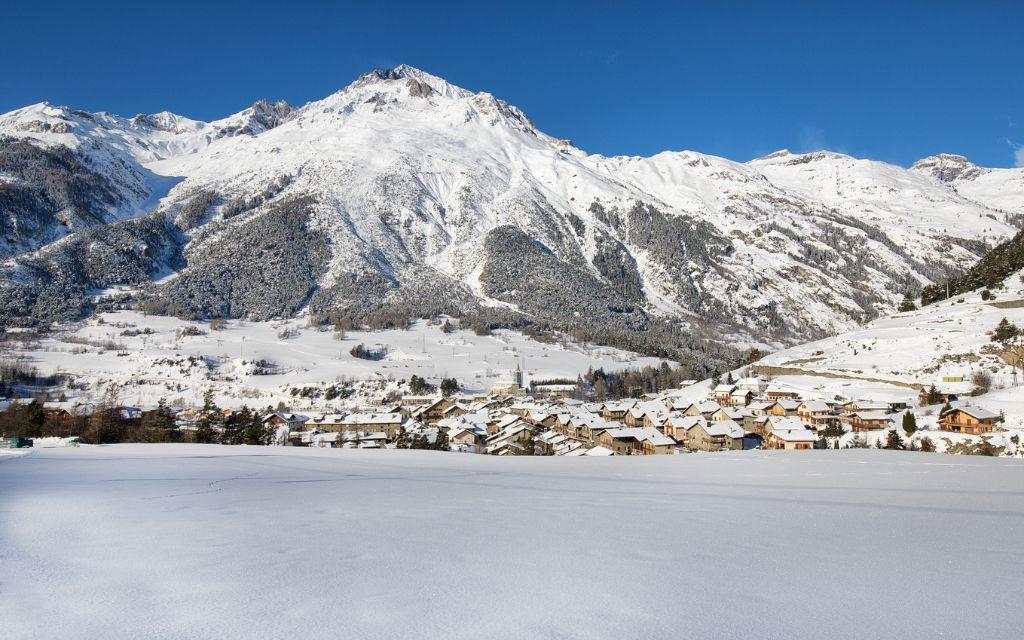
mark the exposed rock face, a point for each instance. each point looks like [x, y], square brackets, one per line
[947, 167]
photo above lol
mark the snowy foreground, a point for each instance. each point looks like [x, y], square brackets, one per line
[193, 541]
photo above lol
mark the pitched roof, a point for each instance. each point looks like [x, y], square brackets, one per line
[975, 412]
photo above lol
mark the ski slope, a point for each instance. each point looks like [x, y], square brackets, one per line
[210, 541]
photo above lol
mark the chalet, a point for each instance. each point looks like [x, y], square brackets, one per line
[753, 384]
[791, 439]
[789, 406]
[475, 422]
[554, 390]
[467, 438]
[740, 398]
[64, 411]
[779, 423]
[852, 407]
[504, 422]
[637, 441]
[545, 443]
[766, 408]
[369, 439]
[968, 419]
[869, 420]
[757, 425]
[645, 414]
[432, 412]
[715, 436]
[454, 410]
[816, 414]
[677, 427]
[728, 413]
[388, 423]
[325, 422]
[779, 393]
[519, 432]
[701, 408]
[722, 393]
[590, 431]
[277, 419]
[617, 410]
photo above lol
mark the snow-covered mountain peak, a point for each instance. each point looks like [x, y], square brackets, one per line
[262, 116]
[947, 167]
[167, 121]
[404, 190]
[421, 79]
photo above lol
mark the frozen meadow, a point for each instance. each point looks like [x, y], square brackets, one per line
[194, 541]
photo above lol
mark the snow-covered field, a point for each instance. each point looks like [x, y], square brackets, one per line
[153, 365]
[193, 541]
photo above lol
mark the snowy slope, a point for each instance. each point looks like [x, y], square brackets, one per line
[194, 541]
[406, 193]
[998, 189]
[259, 363]
[890, 358]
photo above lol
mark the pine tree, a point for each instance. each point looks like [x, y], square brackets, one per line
[34, 419]
[255, 432]
[909, 423]
[449, 386]
[907, 304]
[1005, 331]
[441, 441]
[893, 440]
[164, 418]
[204, 426]
[402, 440]
[232, 428]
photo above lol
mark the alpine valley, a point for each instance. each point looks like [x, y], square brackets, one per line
[402, 196]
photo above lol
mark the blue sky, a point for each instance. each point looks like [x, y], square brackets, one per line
[894, 81]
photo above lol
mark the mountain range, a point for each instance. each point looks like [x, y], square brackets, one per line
[404, 196]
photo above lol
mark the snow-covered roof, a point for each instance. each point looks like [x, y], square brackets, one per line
[975, 412]
[795, 435]
[726, 428]
[372, 418]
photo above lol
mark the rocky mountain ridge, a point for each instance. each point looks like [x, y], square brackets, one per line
[404, 195]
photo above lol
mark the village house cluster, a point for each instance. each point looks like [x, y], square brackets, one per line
[746, 413]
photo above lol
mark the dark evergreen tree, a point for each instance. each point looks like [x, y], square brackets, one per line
[1005, 331]
[907, 304]
[233, 426]
[893, 440]
[209, 419]
[449, 386]
[993, 267]
[34, 418]
[255, 431]
[909, 423]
